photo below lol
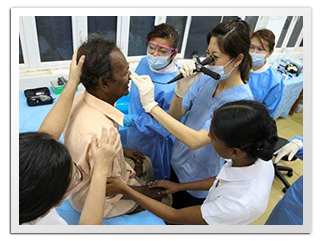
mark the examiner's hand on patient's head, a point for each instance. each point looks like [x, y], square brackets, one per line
[170, 187]
[75, 69]
[114, 186]
[146, 89]
[104, 151]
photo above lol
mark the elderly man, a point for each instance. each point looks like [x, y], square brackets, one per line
[105, 76]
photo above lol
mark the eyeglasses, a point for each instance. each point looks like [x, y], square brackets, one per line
[160, 48]
[78, 176]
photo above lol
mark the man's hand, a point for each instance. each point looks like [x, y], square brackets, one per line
[115, 186]
[170, 187]
[137, 157]
[75, 70]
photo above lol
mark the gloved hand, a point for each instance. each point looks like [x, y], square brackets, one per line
[184, 84]
[289, 149]
[128, 119]
[146, 89]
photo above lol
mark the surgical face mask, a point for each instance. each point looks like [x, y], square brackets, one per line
[158, 62]
[220, 70]
[258, 58]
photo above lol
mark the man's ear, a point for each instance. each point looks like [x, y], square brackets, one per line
[103, 84]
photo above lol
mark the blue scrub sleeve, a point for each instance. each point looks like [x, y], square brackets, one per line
[273, 98]
[143, 121]
[206, 126]
[299, 154]
[190, 97]
[147, 125]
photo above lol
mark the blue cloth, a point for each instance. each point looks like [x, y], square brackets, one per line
[72, 217]
[128, 120]
[292, 90]
[195, 165]
[289, 210]
[145, 133]
[30, 119]
[267, 88]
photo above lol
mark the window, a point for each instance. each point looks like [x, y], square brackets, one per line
[296, 32]
[104, 25]
[179, 23]
[49, 41]
[54, 38]
[199, 28]
[21, 60]
[226, 18]
[284, 31]
[252, 20]
[139, 29]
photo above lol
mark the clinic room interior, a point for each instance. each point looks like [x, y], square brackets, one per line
[46, 47]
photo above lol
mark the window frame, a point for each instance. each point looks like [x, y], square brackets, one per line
[31, 52]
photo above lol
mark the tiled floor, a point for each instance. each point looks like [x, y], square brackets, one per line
[286, 128]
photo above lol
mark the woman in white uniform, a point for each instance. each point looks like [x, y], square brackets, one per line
[47, 174]
[245, 135]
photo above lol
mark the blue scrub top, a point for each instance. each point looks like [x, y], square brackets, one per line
[267, 87]
[194, 165]
[289, 210]
[145, 133]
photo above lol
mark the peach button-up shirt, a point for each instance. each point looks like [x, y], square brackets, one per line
[89, 114]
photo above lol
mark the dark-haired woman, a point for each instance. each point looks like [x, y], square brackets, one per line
[244, 134]
[47, 174]
[193, 157]
[144, 132]
[265, 82]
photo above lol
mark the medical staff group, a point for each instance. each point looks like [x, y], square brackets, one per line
[198, 151]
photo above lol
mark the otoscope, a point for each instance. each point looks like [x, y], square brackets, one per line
[199, 68]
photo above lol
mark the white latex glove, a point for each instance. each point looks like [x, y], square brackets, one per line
[184, 84]
[146, 89]
[289, 149]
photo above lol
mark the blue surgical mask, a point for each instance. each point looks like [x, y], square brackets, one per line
[158, 62]
[258, 58]
[220, 70]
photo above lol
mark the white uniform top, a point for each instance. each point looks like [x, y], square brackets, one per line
[239, 195]
[52, 218]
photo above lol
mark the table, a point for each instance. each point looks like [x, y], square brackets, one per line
[292, 90]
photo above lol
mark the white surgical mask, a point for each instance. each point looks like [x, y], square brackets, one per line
[158, 62]
[258, 58]
[220, 70]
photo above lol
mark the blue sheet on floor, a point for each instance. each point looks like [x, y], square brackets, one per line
[30, 119]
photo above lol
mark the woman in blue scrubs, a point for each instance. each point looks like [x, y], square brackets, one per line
[265, 82]
[144, 132]
[289, 210]
[193, 157]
